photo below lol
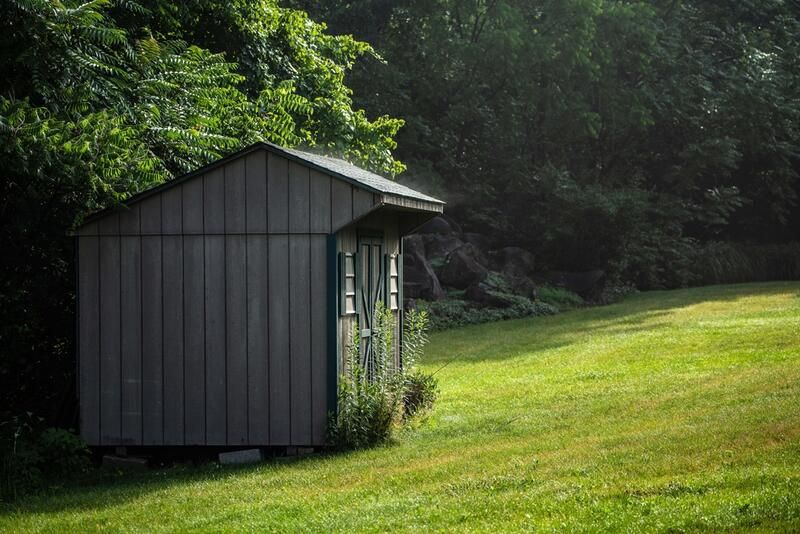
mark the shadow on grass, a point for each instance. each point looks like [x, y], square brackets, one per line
[104, 488]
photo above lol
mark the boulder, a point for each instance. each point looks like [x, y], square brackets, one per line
[454, 226]
[522, 285]
[479, 241]
[440, 245]
[440, 225]
[484, 295]
[463, 268]
[514, 262]
[413, 245]
[420, 281]
[588, 284]
[437, 225]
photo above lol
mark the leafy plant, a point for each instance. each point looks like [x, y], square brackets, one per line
[560, 298]
[415, 337]
[32, 455]
[377, 393]
[454, 313]
[366, 405]
[420, 393]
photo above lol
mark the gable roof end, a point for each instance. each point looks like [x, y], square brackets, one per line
[337, 168]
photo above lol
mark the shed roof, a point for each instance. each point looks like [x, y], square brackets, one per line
[334, 167]
[348, 171]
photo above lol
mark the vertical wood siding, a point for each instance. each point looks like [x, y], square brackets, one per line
[110, 340]
[173, 326]
[279, 364]
[299, 345]
[194, 335]
[131, 339]
[236, 338]
[203, 308]
[89, 337]
[152, 340]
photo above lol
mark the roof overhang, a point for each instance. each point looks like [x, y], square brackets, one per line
[421, 203]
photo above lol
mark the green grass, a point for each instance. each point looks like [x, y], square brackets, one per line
[670, 411]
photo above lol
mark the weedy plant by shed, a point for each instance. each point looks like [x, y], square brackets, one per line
[377, 392]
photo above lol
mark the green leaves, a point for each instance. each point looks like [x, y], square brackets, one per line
[544, 122]
[102, 99]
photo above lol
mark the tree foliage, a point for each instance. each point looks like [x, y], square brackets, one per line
[101, 99]
[598, 133]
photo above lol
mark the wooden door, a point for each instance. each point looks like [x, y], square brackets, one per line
[371, 284]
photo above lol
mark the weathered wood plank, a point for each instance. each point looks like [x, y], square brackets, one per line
[192, 206]
[88, 229]
[256, 187]
[362, 202]
[129, 220]
[150, 215]
[194, 340]
[172, 210]
[320, 192]
[341, 204]
[89, 338]
[214, 201]
[277, 194]
[110, 406]
[153, 303]
[131, 340]
[236, 337]
[109, 225]
[300, 331]
[319, 338]
[257, 341]
[173, 328]
[279, 357]
[215, 341]
[235, 204]
[299, 198]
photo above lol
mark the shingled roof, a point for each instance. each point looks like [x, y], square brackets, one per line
[351, 173]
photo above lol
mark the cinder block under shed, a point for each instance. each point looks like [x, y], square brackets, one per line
[246, 456]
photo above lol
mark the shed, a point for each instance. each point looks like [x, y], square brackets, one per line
[216, 308]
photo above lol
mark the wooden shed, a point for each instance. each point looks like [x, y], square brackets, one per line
[215, 309]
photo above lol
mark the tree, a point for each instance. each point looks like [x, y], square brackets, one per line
[598, 133]
[99, 100]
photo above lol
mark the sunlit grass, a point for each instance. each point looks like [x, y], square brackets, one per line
[673, 410]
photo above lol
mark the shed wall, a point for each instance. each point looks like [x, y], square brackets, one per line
[386, 224]
[203, 309]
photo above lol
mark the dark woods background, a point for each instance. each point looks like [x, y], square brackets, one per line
[656, 140]
[617, 135]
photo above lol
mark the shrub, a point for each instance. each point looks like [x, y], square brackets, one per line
[378, 394]
[725, 262]
[615, 291]
[560, 298]
[452, 313]
[420, 393]
[31, 455]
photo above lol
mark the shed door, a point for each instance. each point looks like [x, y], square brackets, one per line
[371, 284]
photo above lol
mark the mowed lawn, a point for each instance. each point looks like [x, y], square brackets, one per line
[676, 410]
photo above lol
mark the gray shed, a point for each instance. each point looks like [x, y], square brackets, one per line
[215, 309]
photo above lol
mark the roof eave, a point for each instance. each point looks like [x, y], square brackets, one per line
[269, 147]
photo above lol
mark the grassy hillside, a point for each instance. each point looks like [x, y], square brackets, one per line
[672, 410]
